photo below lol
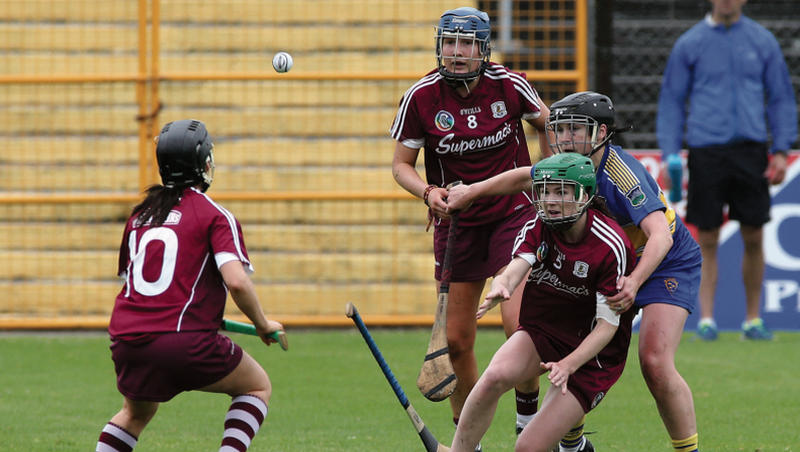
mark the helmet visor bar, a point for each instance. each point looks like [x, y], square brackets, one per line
[572, 133]
[558, 202]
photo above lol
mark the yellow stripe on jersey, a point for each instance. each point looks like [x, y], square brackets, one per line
[619, 174]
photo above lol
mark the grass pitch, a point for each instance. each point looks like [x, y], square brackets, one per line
[58, 390]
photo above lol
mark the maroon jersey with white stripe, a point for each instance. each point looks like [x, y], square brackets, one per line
[171, 272]
[560, 297]
[470, 138]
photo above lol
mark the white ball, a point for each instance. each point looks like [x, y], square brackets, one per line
[282, 62]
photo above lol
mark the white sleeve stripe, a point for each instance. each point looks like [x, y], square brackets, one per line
[614, 242]
[520, 84]
[400, 119]
[616, 251]
[232, 223]
[520, 239]
[120, 434]
[610, 232]
[603, 311]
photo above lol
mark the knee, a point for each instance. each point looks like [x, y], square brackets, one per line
[460, 344]
[264, 389]
[495, 380]
[656, 368]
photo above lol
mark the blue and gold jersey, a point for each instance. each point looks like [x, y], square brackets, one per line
[630, 194]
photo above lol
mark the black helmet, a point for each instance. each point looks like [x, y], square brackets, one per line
[585, 108]
[185, 154]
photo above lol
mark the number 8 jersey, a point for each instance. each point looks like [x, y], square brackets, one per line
[171, 272]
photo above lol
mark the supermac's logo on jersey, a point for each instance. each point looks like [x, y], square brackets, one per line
[499, 109]
[636, 196]
[444, 120]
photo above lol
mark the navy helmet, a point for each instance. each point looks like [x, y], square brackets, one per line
[464, 23]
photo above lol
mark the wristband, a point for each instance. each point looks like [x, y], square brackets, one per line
[427, 193]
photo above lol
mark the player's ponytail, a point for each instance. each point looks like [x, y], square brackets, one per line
[157, 204]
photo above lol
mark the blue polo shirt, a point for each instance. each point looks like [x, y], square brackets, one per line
[735, 80]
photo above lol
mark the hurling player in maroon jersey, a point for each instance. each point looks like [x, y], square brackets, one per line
[573, 255]
[181, 252]
[467, 114]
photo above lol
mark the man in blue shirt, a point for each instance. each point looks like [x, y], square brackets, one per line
[733, 75]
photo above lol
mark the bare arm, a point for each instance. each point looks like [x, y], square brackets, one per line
[659, 242]
[244, 295]
[505, 183]
[591, 345]
[539, 124]
[405, 173]
[504, 284]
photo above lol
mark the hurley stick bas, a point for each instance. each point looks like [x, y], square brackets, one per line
[437, 379]
[430, 442]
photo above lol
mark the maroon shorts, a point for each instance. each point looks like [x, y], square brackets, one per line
[480, 251]
[158, 367]
[590, 383]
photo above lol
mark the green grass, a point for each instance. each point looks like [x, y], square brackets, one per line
[58, 390]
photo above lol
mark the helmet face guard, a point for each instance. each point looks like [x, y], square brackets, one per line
[572, 133]
[574, 123]
[563, 188]
[185, 155]
[459, 29]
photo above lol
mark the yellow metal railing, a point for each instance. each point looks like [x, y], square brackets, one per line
[147, 80]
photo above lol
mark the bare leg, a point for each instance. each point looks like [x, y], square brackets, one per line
[505, 370]
[659, 337]
[709, 242]
[461, 330]
[752, 268]
[559, 414]
[135, 415]
[248, 378]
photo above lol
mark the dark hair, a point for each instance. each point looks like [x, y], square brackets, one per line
[157, 204]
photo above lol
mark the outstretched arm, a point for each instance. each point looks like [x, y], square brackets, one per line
[504, 284]
[508, 182]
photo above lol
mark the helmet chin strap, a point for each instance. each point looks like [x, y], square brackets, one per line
[601, 145]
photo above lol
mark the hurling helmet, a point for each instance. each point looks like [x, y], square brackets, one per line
[464, 23]
[587, 109]
[551, 179]
[185, 154]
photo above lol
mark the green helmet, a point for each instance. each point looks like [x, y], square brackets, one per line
[553, 178]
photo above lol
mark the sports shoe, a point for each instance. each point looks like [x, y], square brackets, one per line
[707, 331]
[756, 331]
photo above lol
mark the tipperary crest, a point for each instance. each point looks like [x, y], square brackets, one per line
[671, 284]
[636, 196]
[581, 269]
[444, 120]
[499, 109]
[541, 252]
